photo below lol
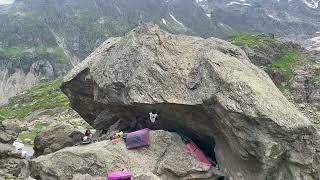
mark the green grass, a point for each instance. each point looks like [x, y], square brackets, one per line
[286, 63]
[281, 86]
[43, 96]
[316, 78]
[317, 73]
[27, 135]
[249, 39]
[33, 133]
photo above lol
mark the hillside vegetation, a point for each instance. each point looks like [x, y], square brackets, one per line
[44, 96]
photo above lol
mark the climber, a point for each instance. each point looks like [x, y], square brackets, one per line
[152, 122]
[153, 116]
[87, 137]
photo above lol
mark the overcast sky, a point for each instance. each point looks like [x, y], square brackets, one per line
[6, 1]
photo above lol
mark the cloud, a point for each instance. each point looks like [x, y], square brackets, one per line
[6, 2]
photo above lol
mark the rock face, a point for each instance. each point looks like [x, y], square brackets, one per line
[56, 137]
[166, 158]
[9, 131]
[204, 88]
[11, 164]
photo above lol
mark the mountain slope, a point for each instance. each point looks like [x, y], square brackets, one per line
[293, 19]
[294, 70]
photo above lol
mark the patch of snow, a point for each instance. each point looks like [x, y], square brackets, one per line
[316, 39]
[232, 3]
[315, 43]
[199, 1]
[240, 2]
[209, 15]
[273, 17]
[164, 21]
[3, 2]
[180, 23]
[312, 3]
[118, 9]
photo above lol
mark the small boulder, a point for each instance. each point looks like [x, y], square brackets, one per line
[56, 137]
[11, 164]
[9, 131]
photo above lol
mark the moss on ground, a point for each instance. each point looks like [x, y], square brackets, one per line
[44, 96]
[33, 133]
[250, 39]
[27, 135]
[286, 63]
[281, 86]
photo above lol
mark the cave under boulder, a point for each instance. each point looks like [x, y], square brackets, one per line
[206, 89]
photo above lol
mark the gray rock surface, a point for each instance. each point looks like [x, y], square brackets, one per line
[204, 88]
[11, 164]
[56, 137]
[9, 131]
[166, 157]
[303, 85]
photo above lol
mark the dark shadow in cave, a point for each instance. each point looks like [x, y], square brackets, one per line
[186, 120]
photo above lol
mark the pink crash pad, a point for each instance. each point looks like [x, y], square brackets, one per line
[198, 153]
[119, 175]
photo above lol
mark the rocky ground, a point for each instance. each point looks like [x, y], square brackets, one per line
[165, 158]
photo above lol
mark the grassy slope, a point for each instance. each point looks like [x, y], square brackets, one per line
[47, 97]
[249, 39]
[40, 51]
[43, 96]
[284, 63]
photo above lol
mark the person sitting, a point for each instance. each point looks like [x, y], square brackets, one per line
[87, 137]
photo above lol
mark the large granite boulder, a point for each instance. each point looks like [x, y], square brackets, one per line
[9, 131]
[56, 137]
[206, 89]
[166, 157]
